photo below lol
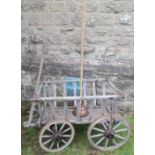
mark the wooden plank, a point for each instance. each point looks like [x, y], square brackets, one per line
[72, 98]
[76, 80]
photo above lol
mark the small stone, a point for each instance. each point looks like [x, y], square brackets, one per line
[111, 51]
[87, 50]
[36, 39]
[125, 19]
[67, 29]
[92, 20]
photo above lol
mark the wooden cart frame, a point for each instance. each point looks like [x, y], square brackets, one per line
[53, 107]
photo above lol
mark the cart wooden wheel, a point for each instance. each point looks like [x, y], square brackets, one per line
[106, 135]
[55, 136]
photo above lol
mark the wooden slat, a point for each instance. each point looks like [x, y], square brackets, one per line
[55, 94]
[72, 98]
[103, 106]
[90, 111]
[64, 90]
[103, 88]
[94, 92]
[66, 110]
[84, 88]
[75, 93]
[78, 111]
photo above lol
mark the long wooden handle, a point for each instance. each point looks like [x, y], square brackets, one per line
[82, 51]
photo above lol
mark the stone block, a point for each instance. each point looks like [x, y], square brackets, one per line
[106, 20]
[126, 53]
[36, 39]
[47, 19]
[71, 5]
[35, 19]
[111, 51]
[87, 50]
[116, 6]
[123, 41]
[55, 6]
[91, 5]
[92, 20]
[61, 19]
[76, 19]
[33, 6]
[24, 20]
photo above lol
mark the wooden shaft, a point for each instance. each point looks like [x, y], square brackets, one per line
[82, 52]
[40, 71]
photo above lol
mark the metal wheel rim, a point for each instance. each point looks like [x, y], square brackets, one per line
[68, 136]
[109, 148]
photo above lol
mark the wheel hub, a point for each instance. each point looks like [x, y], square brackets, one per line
[57, 136]
[109, 134]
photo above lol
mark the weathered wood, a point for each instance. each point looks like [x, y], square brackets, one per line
[90, 111]
[55, 94]
[103, 88]
[78, 111]
[66, 110]
[72, 98]
[94, 92]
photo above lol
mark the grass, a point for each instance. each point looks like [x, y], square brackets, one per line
[79, 146]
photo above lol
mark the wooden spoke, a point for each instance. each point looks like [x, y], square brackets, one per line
[121, 130]
[98, 135]
[50, 130]
[66, 130]
[120, 137]
[115, 127]
[106, 143]
[97, 129]
[46, 142]
[66, 136]
[99, 141]
[62, 127]
[51, 145]
[58, 145]
[104, 125]
[46, 136]
[65, 142]
[56, 127]
[114, 142]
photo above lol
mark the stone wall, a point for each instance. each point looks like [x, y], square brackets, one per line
[57, 24]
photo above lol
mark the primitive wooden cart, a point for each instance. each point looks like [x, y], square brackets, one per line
[59, 104]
